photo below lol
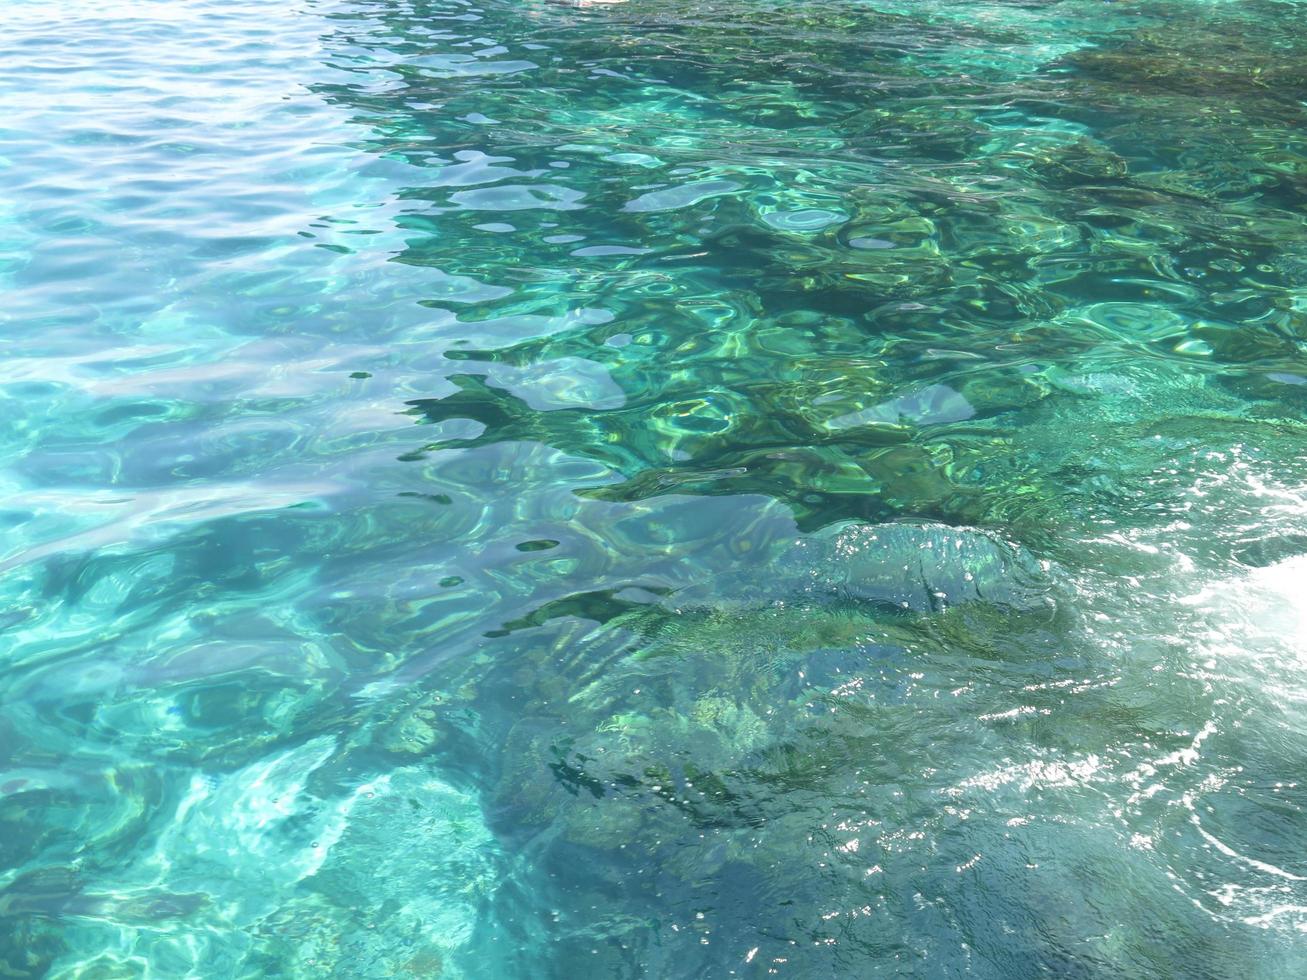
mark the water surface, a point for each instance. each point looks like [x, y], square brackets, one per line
[730, 488]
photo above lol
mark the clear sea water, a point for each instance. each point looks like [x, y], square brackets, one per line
[677, 488]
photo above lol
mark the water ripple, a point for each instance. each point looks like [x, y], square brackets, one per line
[719, 488]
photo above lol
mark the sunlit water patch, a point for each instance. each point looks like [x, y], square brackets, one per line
[539, 489]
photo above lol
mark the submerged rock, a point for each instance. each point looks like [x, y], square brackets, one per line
[678, 707]
[926, 567]
[1198, 63]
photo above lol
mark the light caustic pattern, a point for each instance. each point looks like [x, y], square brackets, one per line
[731, 488]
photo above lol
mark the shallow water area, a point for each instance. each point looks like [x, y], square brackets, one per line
[546, 489]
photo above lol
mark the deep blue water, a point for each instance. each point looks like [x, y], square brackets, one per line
[653, 489]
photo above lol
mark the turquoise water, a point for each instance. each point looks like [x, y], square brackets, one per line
[531, 489]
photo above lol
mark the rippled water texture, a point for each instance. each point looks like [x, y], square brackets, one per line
[682, 488]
